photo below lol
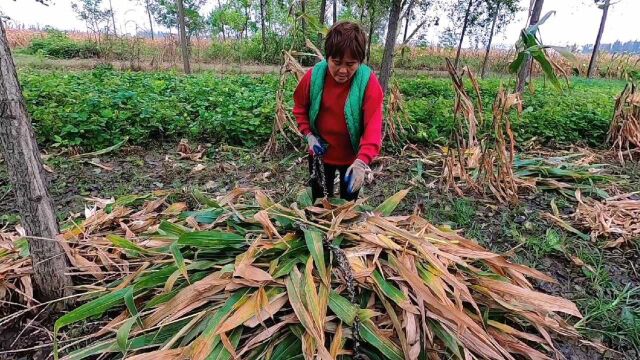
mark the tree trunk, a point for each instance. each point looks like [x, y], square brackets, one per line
[183, 38]
[361, 11]
[389, 46]
[303, 7]
[486, 54]
[246, 22]
[323, 12]
[525, 70]
[596, 46]
[335, 11]
[372, 16]
[26, 172]
[113, 19]
[263, 27]
[404, 36]
[150, 19]
[464, 30]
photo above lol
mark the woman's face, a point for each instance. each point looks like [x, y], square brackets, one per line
[342, 69]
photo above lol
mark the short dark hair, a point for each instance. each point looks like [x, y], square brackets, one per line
[345, 38]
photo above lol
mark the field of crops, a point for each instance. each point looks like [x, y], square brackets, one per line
[59, 45]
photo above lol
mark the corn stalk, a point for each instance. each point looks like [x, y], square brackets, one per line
[624, 132]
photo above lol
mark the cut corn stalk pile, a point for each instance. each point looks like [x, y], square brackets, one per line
[617, 217]
[253, 279]
[624, 132]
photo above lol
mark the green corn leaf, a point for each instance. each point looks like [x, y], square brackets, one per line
[131, 305]
[389, 290]
[204, 199]
[210, 325]
[122, 336]
[143, 341]
[515, 66]
[155, 277]
[449, 340]
[203, 216]
[387, 207]
[93, 308]
[289, 348]
[371, 334]
[173, 229]
[539, 55]
[316, 248]
[122, 243]
[177, 256]
[129, 199]
[220, 352]
[212, 240]
[343, 309]
[304, 198]
[285, 266]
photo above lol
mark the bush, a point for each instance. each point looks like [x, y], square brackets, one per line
[98, 108]
[581, 114]
[58, 45]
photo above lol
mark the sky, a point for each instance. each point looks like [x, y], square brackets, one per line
[575, 21]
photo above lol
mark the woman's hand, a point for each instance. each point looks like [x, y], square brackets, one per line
[315, 148]
[355, 175]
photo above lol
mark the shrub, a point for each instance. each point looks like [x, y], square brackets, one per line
[58, 45]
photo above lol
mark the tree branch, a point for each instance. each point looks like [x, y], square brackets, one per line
[414, 32]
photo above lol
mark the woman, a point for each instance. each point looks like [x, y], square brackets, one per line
[338, 107]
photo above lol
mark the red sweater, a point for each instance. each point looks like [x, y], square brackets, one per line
[331, 123]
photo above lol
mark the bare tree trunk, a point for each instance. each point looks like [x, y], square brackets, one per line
[303, 7]
[404, 36]
[264, 28]
[323, 12]
[246, 22]
[596, 46]
[464, 30]
[389, 46]
[183, 38]
[150, 19]
[335, 11]
[525, 70]
[372, 15]
[493, 28]
[26, 172]
[113, 19]
[361, 11]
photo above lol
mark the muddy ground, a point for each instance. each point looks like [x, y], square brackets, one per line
[600, 286]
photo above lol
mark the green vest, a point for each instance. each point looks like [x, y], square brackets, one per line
[353, 106]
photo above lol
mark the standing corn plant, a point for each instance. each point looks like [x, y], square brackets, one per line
[529, 46]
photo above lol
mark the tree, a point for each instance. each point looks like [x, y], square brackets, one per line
[183, 38]
[147, 8]
[465, 23]
[525, 70]
[166, 13]
[113, 18]
[604, 5]
[501, 12]
[263, 28]
[228, 16]
[29, 183]
[91, 12]
[389, 46]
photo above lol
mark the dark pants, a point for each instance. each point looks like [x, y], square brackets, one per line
[330, 175]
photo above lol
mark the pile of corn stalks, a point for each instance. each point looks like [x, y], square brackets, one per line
[616, 217]
[245, 277]
[624, 133]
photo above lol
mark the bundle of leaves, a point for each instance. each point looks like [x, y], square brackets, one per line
[253, 279]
